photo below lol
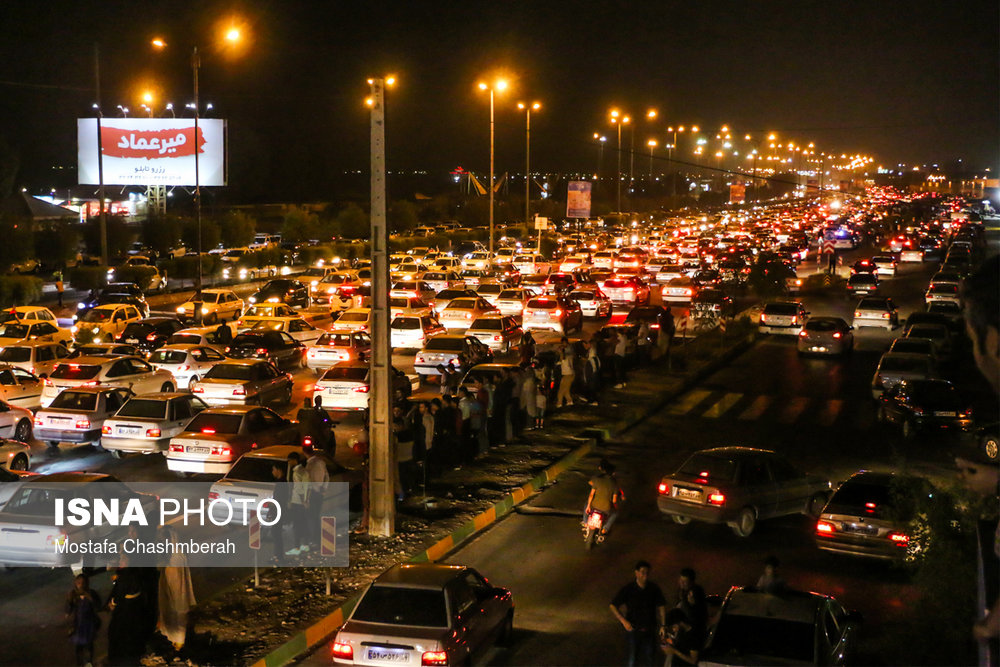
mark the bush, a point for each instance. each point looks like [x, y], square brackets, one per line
[20, 290]
[88, 277]
[186, 268]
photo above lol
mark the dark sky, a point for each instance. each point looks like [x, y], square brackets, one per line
[906, 82]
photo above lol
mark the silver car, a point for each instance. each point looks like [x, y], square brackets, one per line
[894, 367]
[146, 423]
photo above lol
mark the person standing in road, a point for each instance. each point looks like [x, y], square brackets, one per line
[82, 605]
[60, 288]
[691, 600]
[128, 627]
[299, 503]
[318, 476]
[282, 495]
[620, 350]
[566, 374]
[642, 610]
[771, 581]
[176, 596]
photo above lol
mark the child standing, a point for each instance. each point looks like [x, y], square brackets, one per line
[541, 401]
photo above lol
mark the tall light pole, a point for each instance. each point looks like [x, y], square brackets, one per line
[535, 106]
[499, 85]
[618, 119]
[103, 225]
[652, 145]
[382, 506]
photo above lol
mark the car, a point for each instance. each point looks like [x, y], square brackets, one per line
[560, 282]
[36, 356]
[208, 336]
[885, 265]
[604, 259]
[669, 271]
[355, 319]
[448, 263]
[950, 309]
[264, 311]
[592, 301]
[626, 291]
[440, 280]
[512, 301]
[911, 255]
[943, 292]
[146, 423]
[574, 262]
[345, 386]
[282, 290]
[333, 287]
[498, 332]
[15, 422]
[103, 323]
[114, 293]
[337, 346]
[459, 313]
[275, 347]
[657, 317]
[460, 350]
[476, 260]
[27, 314]
[76, 415]
[425, 614]
[531, 264]
[19, 387]
[876, 311]
[862, 284]
[894, 367]
[787, 627]
[217, 437]
[420, 289]
[739, 486]
[296, 327]
[217, 305]
[947, 278]
[187, 363]
[826, 335]
[864, 518]
[243, 382]
[783, 317]
[679, 290]
[955, 326]
[552, 312]
[13, 332]
[479, 373]
[712, 303]
[863, 266]
[924, 404]
[490, 291]
[105, 350]
[473, 277]
[408, 305]
[411, 332]
[938, 333]
[131, 373]
[150, 333]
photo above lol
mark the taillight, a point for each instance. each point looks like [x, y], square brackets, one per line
[362, 389]
[795, 320]
[825, 528]
[857, 313]
[239, 391]
[222, 450]
[663, 488]
[344, 651]
[105, 430]
[885, 316]
[836, 334]
[152, 433]
[468, 316]
[497, 339]
[83, 423]
[716, 499]
[176, 448]
[38, 422]
[763, 318]
[557, 312]
[213, 495]
[48, 382]
[151, 337]
[307, 441]
[261, 350]
[433, 658]
[900, 539]
[198, 390]
[803, 334]
[208, 430]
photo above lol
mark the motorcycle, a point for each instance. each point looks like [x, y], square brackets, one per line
[593, 528]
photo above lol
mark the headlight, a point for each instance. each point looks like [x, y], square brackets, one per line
[253, 299]
[243, 274]
[180, 309]
[74, 328]
[81, 305]
[97, 341]
[204, 311]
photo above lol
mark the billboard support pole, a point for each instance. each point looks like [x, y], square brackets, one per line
[100, 158]
[197, 303]
[382, 511]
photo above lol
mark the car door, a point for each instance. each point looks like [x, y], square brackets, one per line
[205, 358]
[275, 430]
[8, 420]
[792, 488]
[29, 388]
[144, 377]
[303, 332]
[468, 618]
[291, 349]
[757, 488]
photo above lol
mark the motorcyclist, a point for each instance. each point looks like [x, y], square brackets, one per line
[605, 495]
[315, 423]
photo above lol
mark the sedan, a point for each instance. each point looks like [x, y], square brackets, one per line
[296, 327]
[712, 303]
[498, 332]
[217, 437]
[338, 346]
[739, 486]
[513, 301]
[411, 332]
[924, 404]
[150, 333]
[459, 313]
[459, 350]
[282, 290]
[593, 302]
[408, 305]
[627, 291]
[876, 312]
[657, 317]
[15, 422]
[885, 265]
[862, 284]
[113, 293]
[420, 289]
[334, 286]
[187, 363]
[77, 415]
[826, 335]
[783, 317]
[553, 312]
[38, 357]
[345, 386]
[23, 332]
[942, 292]
[217, 305]
[130, 373]
[355, 319]
[679, 290]
[19, 387]
[443, 280]
[863, 519]
[275, 347]
[938, 333]
[425, 614]
[104, 323]
[243, 382]
[146, 423]
[895, 367]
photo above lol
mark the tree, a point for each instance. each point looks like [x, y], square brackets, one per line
[402, 216]
[18, 242]
[210, 234]
[353, 222]
[300, 225]
[57, 244]
[237, 229]
[161, 234]
[768, 275]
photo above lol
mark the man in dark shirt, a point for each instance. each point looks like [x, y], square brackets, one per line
[681, 642]
[642, 610]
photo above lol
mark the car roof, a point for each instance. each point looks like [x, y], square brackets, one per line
[273, 452]
[420, 575]
[231, 409]
[164, 395]
[788, 605]
[870, 477]
[97, 361]
[736, 451]
[242, 362]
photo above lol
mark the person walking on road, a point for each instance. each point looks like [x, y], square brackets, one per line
[282, 496]
[82, 605]
[771, 581]
[176, 596]
[299, 503]
[566, 374]
[60, 287]
[642, 610]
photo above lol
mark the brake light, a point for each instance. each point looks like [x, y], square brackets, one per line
[763, 318]
[151, 337]
[557, 312]
[857, 313]
[434, 658]
[105, 430]
[795, 320]
[468, 316]
[152, 433]
[198, 390]
[901, 539]
[311, 353]
[663, 489]
[239, 391]
[307, 441]
[362, 389]
[717, 499]
[825, 528]
[885, 316]
[497, 338]
[83, 423]
[38, 422]
[836, 334]
[176, 448]
[208, 430]
[48, 382]
[213, 495]
[261, 350]
[222, 450]
[803, 334]
[343, 651]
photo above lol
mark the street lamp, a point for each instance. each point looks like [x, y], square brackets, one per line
[124, 110]
[652, 144]
[618, 119]
[499, 85]
[170, 108]
[535, 106]
[600, 139]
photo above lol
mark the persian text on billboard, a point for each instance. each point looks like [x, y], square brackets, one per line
[152, 151]
[578, 199]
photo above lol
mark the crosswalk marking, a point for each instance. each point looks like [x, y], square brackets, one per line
[722, 405]
[690, 400]
[757, 408]
[793, 409]
[831, 410]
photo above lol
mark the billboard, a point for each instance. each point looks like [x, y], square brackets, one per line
[737, 193]
[578, 199]
[152, 151]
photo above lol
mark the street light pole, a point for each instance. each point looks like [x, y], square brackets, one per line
[100, 159]
[197, 303]
[491, 174]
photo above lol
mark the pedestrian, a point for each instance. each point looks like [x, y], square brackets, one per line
[176, 595]
[224, 334]
[541, 402]
[484, 397]
[644, 343]
[515, 414]
[127, 629]
[466, 405]
[429, 417]
[318, 477]
[642, 610]
[691, 600]
[592, 373]
[402, 452]
[447, 428]
[82, 605]
[620, 351]
[299, 503]
[361, 448]
[527, 348]
[326, 426]
[665, 338]
[529, 391]
[680, 640]
[60, 288]
[282, 496]
[771, 581]
[501, 428]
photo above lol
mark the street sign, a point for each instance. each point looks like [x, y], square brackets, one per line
[254, 531]
[828, 246]
[328, 536]
[541, 223]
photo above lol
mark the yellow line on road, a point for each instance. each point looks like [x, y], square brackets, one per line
[687, 402]
[723, 404]
[757, 408]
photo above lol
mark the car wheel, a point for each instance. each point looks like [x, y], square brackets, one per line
[23, 431]
[167, 387]
[681, 520]
[194, 378]
[53, 445]
[816, 504]
[909, 429]
[507, 630]
[991, 447]
[745, 522]
[19, 462]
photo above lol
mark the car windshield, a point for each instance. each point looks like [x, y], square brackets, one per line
[14, 331]
[405, 323]
[349, 373]
[932, 393]
[821, 325]
[544, 304]
[335, 278]
[253, 469]
[97, 315]
[779, 639]
[580, 295]
[865, 498]
[461, 304]
[335, 340]
[444, 343]
[899, 363]
[206, 297]
[487, 324]
[214, 422]
[182, 339]
[781, 309]
[230, 372]
[12, 354]
[75, 372]
[709, 467]
[143, 408]
[490, 289]
[510, 294]
[402, 606]
[137, 330]
[162, 356]
[74, 400]
[353, 317]
[872, 304]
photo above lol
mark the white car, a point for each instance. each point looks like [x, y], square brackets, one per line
[19, 332]
[36, 356]
[885, 265]
[490, 291]
[783, 317]
[574, 262]
[146, 423]
[679, 290]
[264, 311]
[126, 372]
[330, 290]
[911, 255]
[337, 346]
[443, 280]
[27, 314]
[532, 264]
[15, 422]
[296, 327]
[217, 305]
[894, 367]
[459, 313]
[355, 319]
[938, 292]
[102, 324]
[187, 363]
[215, 438]
[415, 288]
[476, 260]
[408, 305]
[208, 336]
[513, 301]
[345, 386]
[77, 415]
[593, 302]
[243, 382]
[411, 332]
[875, 311]
[604, 259]
[19, 387]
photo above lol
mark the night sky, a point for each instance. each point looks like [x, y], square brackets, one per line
[904, 81]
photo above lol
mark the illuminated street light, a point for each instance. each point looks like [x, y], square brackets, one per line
[652, 145]
[619, 120]
[499, 85]
[527, 109]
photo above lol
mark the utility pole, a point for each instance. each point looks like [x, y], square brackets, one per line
[382, 498]
[197, 303]
[100, 159]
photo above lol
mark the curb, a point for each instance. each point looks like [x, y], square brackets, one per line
[316, 633]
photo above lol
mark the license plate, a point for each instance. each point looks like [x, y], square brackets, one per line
[191, 449]
[336, 390]
[944, 413]
[861, 529]
[817, 349]
[388, 655]
[128, 430]
[132, 341]
[60, 420]
[689, 494]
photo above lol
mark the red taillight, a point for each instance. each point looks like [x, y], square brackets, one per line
[594, 520]
[557, 312]
[716, 499]
[213, 495]
[151, 337]
[105, 430]
[176, 448]
[885, 316]
[825, 528]
[468, 316]
[836, 334]
[343, 651]
[307, 441]
[795, 320]
[763, 318]
[83, 423]
[228, 348]
[434, 658]
[663, 488]
[222, 450]
[857, 313]
[261, 350]
[497, 338]
[48, 382]
[152, 433]
[198, 390]
[363, 389]
[208, 430]
[803, 333]
[901, 539]
[38, 422]
[239, 391]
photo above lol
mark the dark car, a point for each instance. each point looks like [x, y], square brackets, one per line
[282, 290]
[151, 333]
[114, 293]
[275, 346]
[956, 325]
[657, 317]
[560, 283]
[712, 303]
[739, 486]
[706, 277]
[862, 284]
[787, 627]
[924, 404]
[864, 266]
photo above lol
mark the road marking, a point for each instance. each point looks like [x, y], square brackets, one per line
[688, 402]
[722, 405]
[831, 411]
[793, 409]
[757, 408]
